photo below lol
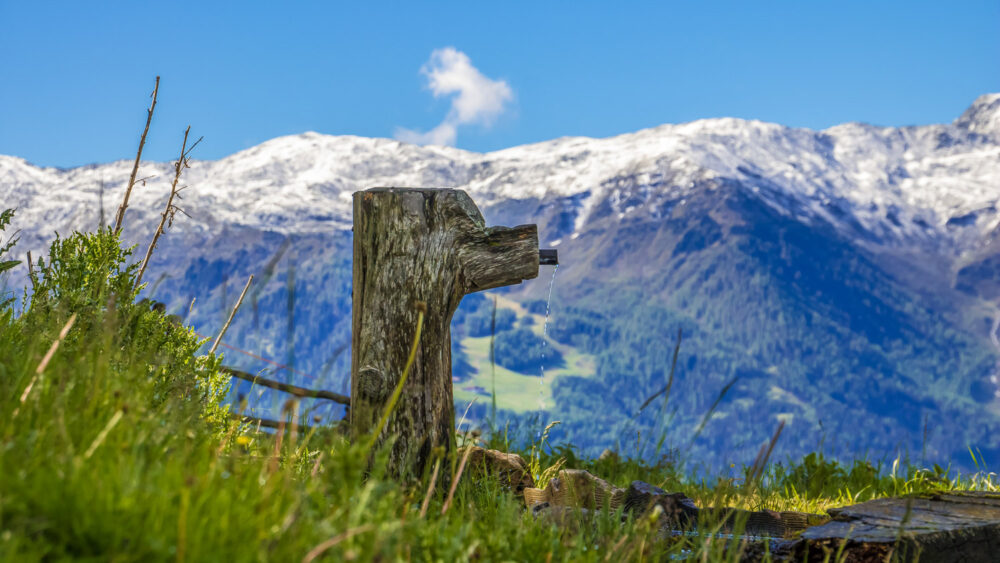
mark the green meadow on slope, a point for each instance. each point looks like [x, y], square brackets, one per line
[516, 391]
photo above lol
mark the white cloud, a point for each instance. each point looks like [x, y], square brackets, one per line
[476, 99]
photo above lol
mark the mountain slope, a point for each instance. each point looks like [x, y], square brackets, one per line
[846, 278]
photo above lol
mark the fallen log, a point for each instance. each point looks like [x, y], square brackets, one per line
[956, 526]
[578, 489]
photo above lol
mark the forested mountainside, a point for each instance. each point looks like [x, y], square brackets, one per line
[846, 281]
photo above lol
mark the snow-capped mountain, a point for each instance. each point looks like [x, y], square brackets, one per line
[841, 275]
[902, 185]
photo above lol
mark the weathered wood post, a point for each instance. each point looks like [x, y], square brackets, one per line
[428, 246]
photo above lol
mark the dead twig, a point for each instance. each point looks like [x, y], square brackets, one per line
[120, 216]
[231, 315]
[167, 217]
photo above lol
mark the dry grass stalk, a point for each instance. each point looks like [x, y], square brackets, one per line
[316, 466]
[319, 549]
[294, 422]
[280, 437]
[103, 434]
[167, 217]
[120, 216]
[218, 339]
[232, 427]
[757, 469]
[617, 545]
[45, 362]
[670, 380]
[465, 414]
[55, 345]
[31, 272]
[454, 482]
[430, 488]
[711, 410]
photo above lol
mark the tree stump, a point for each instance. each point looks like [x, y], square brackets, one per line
[428, 247]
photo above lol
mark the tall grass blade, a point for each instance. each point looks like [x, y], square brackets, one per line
[665, 391]
[708, 415]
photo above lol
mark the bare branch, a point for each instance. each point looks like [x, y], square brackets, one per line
[218, 339]
[200, 139]
[291, 389]
[266, 423]
[120, 217]
[167, 212]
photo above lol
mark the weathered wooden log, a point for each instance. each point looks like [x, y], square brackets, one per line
[428, 246]
[946, 527]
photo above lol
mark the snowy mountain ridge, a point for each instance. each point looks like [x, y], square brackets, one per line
[903, 186]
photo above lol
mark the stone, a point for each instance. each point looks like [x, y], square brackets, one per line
[577, 488]
[679, 511]
[567, 518]
[510, 469]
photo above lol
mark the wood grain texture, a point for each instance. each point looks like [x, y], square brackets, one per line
[946, 527]
[411, 246]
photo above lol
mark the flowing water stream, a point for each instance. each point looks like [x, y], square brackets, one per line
[545, 343]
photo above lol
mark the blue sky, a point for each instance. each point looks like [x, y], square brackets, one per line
[75, 76]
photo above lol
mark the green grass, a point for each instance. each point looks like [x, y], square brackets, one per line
[115, 449]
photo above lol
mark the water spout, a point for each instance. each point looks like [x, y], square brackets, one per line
[548, 257]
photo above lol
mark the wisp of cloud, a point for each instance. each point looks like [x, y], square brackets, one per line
[476, 98]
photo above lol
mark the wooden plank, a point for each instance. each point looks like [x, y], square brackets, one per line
[955, 526]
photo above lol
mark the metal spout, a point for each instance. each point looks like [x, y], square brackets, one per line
[548, 257]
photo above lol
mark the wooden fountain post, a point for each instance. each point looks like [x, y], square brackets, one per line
[419, 248]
